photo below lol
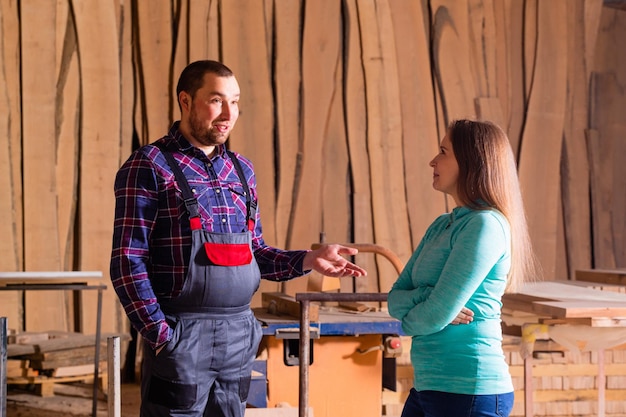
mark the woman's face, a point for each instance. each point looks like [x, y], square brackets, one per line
[445, 169]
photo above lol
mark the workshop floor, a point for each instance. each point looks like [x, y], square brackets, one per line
[69, 400]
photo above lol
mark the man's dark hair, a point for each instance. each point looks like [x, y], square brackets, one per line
[192, 77]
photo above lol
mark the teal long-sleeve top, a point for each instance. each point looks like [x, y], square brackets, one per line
[463, 260]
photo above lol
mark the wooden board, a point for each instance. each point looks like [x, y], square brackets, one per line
[39, 33]
[384, 134]
[562, 300]
[356, 130]
[420, 137]
[453, 64]
[575, 164]
[279, 303]
[539, 164]
[607, 276]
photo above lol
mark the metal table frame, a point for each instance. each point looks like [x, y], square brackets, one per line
[305, 333]
[14, 285]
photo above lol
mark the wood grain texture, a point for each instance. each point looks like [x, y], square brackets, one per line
[11, 244]
[420, 137]
[203, 30]
[561, 300]
[384, 134]
[356, 129]
[153, 63]
[607, 117]
[539, 164]
[100, 69]
[454, 66]
[39, 103]
[575, 164]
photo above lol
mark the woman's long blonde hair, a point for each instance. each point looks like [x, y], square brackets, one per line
[488, 175]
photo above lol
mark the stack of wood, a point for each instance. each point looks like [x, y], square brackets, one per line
[45, 358]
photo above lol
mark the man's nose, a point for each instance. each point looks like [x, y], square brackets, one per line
[229, 110]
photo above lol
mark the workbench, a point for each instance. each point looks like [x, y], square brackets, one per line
[345, 360]
[571, 313]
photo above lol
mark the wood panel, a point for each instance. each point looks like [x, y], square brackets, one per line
[11, 244]
[203, 29]
[287, 87]
[607, 116]
[539, 164]
[320, 48]
[509, 18]
[287, 93]
[420, 137]
[575, 165]
[454, 66]
[100, 69]
[356, 130]
[153, 63]
[384, 134]
[67, 136]
[39, 105]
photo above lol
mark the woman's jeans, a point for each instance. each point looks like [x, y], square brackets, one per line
[444, 404]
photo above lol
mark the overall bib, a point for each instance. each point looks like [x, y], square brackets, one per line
[205, 369]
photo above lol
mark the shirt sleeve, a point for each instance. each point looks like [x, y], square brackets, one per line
[476, 248]
[136, 206]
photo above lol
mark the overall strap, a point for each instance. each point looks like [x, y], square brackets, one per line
[190, 201]
[251, 205]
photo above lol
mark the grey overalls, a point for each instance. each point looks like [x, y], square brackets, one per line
[206, 367]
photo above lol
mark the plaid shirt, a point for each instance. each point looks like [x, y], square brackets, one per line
[152, 235]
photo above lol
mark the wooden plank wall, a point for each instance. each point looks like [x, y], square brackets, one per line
[343, 106]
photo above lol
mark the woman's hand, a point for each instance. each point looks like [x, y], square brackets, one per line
[465, 316]
[327, 260]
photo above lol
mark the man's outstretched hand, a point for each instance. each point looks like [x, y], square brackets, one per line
[327, 260]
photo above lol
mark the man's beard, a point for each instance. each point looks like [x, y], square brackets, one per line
[206, 136]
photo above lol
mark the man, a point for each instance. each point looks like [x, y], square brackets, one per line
[188, 254]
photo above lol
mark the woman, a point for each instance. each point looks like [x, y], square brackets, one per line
[448, 296]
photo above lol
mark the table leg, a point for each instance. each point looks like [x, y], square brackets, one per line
[96, 361]
[601, 384]
[529, 407]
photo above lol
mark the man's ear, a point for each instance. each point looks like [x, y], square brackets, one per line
[184, 98]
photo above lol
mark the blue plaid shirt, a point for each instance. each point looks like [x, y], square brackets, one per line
[152, 235]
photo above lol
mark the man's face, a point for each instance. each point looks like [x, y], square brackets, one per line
[214, 110]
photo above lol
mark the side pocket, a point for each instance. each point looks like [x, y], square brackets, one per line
[172, 394]
[244, 387]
